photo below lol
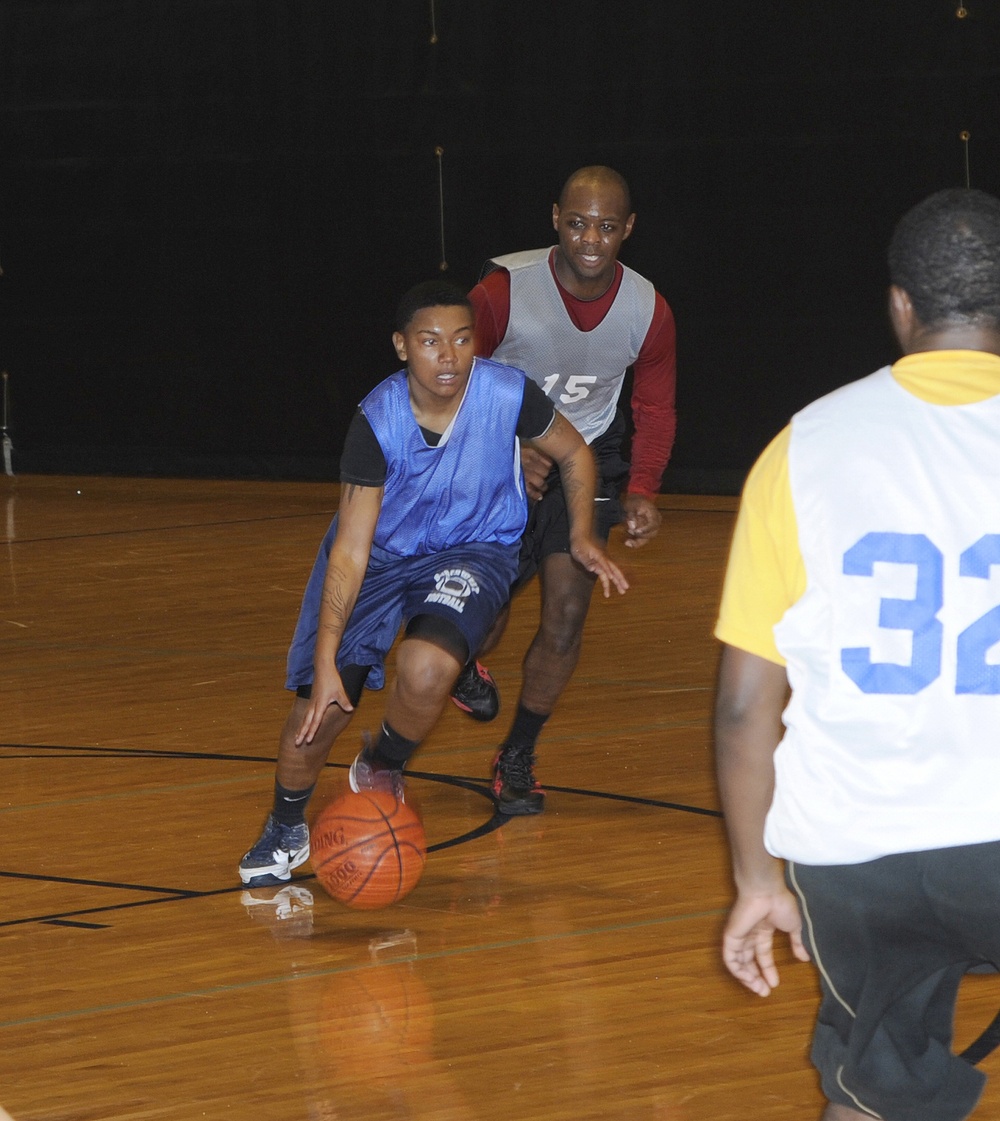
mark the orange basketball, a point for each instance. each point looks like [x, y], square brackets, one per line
[368, 849]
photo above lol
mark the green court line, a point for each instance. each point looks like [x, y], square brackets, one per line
[315, 974]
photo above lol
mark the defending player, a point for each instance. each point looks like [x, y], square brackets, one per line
[863, 575]
[575, 318]
[431, 515]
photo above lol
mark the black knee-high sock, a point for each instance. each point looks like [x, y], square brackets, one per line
[526, 728]
[290, 805]
[390, 751]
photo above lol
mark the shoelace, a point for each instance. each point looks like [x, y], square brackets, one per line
[516, 767]
[276, 832]
[472, 683]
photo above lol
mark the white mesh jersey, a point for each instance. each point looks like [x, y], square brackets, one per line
[580, 371]
[892, 739]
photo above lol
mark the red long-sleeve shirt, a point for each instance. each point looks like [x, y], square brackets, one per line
[654, 382]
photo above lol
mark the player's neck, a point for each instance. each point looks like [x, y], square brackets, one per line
[434, 413]
[954, 337]
[915, 336]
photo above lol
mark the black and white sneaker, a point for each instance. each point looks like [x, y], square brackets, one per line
[278, 850]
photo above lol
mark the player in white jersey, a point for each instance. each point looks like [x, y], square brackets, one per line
[859, 686]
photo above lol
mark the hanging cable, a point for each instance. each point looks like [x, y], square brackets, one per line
[964, 137]
[8, 446]
[439, 152]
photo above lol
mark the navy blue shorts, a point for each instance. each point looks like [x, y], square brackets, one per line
[467, 586]
[892, 939]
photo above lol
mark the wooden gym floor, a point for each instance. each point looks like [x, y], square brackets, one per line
[557, 968]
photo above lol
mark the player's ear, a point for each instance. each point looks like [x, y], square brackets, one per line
[399, 342]
[555, 216]
[902, 316]
[629, 223]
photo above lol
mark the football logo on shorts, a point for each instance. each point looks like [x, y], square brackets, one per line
[454, 586]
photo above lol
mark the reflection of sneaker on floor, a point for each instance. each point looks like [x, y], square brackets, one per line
[365, 775]
[476, 692]
[287, 910]
[514, 785]
[323, 1111]
[278, 850]
[393, 945]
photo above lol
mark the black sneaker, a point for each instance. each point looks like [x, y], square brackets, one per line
[476, 692]
[514, 785]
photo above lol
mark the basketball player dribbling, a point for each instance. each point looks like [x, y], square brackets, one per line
[427, 533]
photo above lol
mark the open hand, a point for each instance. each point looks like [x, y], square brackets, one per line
[327, 690]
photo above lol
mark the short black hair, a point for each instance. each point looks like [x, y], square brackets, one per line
[945, 254]
[430, 293]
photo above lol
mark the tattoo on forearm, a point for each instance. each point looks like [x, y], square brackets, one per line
[571, 482]
[578, 480]
[338, 604]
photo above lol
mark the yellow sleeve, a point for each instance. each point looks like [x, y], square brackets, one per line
[765, 574]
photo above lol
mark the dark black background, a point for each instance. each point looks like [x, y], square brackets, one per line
[210, 207]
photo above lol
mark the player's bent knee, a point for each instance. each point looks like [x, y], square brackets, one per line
[425, 670]
[563, 622]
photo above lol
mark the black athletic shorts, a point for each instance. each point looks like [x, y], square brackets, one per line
[892, 939]
[547, 531]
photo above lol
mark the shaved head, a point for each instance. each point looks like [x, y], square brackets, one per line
[598, 177]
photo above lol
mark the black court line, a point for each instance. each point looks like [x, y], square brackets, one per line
[83, 925]
[175, 892]
[174, 895]
[986, 1043]
[161, 894]
[139, 752]
[468, 782]
[59, 918]
[655, 802]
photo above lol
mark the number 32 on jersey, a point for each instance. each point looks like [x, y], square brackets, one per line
[919, 615]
